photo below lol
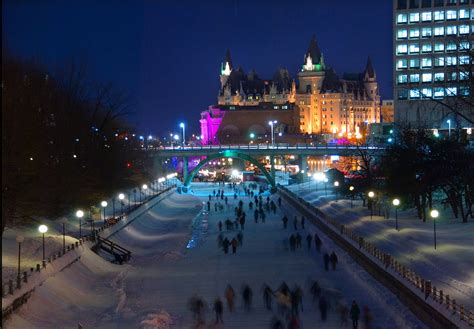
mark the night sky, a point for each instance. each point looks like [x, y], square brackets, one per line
[167, 54]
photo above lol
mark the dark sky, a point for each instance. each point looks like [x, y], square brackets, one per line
[167, 54]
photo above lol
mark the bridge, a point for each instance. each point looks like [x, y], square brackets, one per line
[250, 152]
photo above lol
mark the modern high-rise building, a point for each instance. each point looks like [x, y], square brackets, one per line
[319, 102]
[433, 42]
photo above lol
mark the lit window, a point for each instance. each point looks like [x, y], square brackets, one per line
[426, 48]
[463, 76]
[414, 33]
[463, 29]
[402, 49]
[402, 64]
[426, 16]
[451, 46]
[426, 77]
[464, 45]
[438, 92]
[452, 30]
[451, 91]
[439, 47]
[402, 94]
[402, 78]
[451, 14]
[414, 78]
[463, 60]
[426, 32]
[452, 76]
[401, 18]
[426, 93]
[426, 62]
[439, 31]
[414, 17]
[414, 48]
[451, 60]
[439, 15]
[402, 34]
[414, 93]
[439, 76]
[464, 91]
[414, 63]
[463, 14]
[439, 61]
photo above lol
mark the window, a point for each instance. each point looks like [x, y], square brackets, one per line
[439, 76]
[439, 15]
[452, 76]
[426, 77]
[426, 93]
[426, 62]
[463, 75]
[451, 46]
[414, 4]
[414, 33]
[401, 18]
[438, 3]
[439, 31]
[438, 92]
[452, 30]
[414, 93]
[414, 48]
[451, 91]
[463, 14]
[426, 32]
[425, 3]
[414, 63]
[402, 34]
[414, 77]
[451, 60]
[463, 29]
[402, 78]
[439, 61]
[402, 49]
[426, 48]
[464, 91]
[401, 64]
[426, 16]
[439, 47]
[464, 45]
[451, 2]
[451, 15]
[463, 60]
[414, 17]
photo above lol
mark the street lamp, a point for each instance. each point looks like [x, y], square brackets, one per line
[145, 188]
[371, 195]
[183, 127]
[272, 123]
[80, 214]
[104, 205]
[396, 203]
[19, 239]
[449, 129]
[121, 196]
[434, 214]
[43, 229]
[336, 185]
[351, 189]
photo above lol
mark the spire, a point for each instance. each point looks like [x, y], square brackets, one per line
[369, 69]
[228, 59]
[226, 66]
[313, 51]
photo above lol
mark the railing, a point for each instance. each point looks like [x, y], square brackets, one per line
[112, 247]
[385, 260]
[271, 147]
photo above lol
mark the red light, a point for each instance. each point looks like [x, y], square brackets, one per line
[129, 165]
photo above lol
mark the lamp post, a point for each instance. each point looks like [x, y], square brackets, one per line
[104, 205]
[272, 123]
[336, 186]
[80, 214]
[371, 196]
[64, 237]
[449, 130]
[129, 201]
[182, 126]
[351, 189]
[113, 207]
[145, 188]
[135, 195]
[121, 196]
[396, 203]
[19, 239]
[43, 229]
[434, 214]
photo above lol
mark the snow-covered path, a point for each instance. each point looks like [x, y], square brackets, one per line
[155, 287]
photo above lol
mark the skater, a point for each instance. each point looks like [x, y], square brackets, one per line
[333, 260]
[255, 215]
[366, 317]
[302, 221]
[250, 205]
[247, 296]
[234, 244]
[267, 296]
[215, 206]
[355, 313]
[229, 296]
[323, 308]
[235, 196]
[315, 290]
[292, 242]
[343, 311]
[240, 237]
[209, 205]
[242, 222]
[308, 240]
[262, 214]
[317, 242]
[279, 201]
[285, 221]
[326, 261]
[218, 308]
[295, 223]
[197, 307]
[299, 296]
[225, 245]
[294, 303]
[210, 197]
[298, 240]
[220, 226]
[226, 199]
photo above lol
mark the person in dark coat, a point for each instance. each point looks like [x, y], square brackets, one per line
[234, 244]
[262, 214]
[309, 238]
[208, 206]
[279, 201]
[333, 260]
[267, 296]
[229, 296]
[218, 308]
[210, 197]
[235, 196]
[295, 223]
[302, 221]
[355, 313]
[247, 297]
[226, 200]
[240, 237]
[298, 240]
[326, 261]
[277, 323]
[220, 226]
[225, 245]
[250, 205]
[323, 308]
[292, 242]
[242, 222]
[315, 290]
[285, 222]
[317, 242]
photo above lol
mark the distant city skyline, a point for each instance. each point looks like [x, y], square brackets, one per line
[168, 56]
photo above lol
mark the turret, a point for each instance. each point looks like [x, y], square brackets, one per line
[226, 68]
